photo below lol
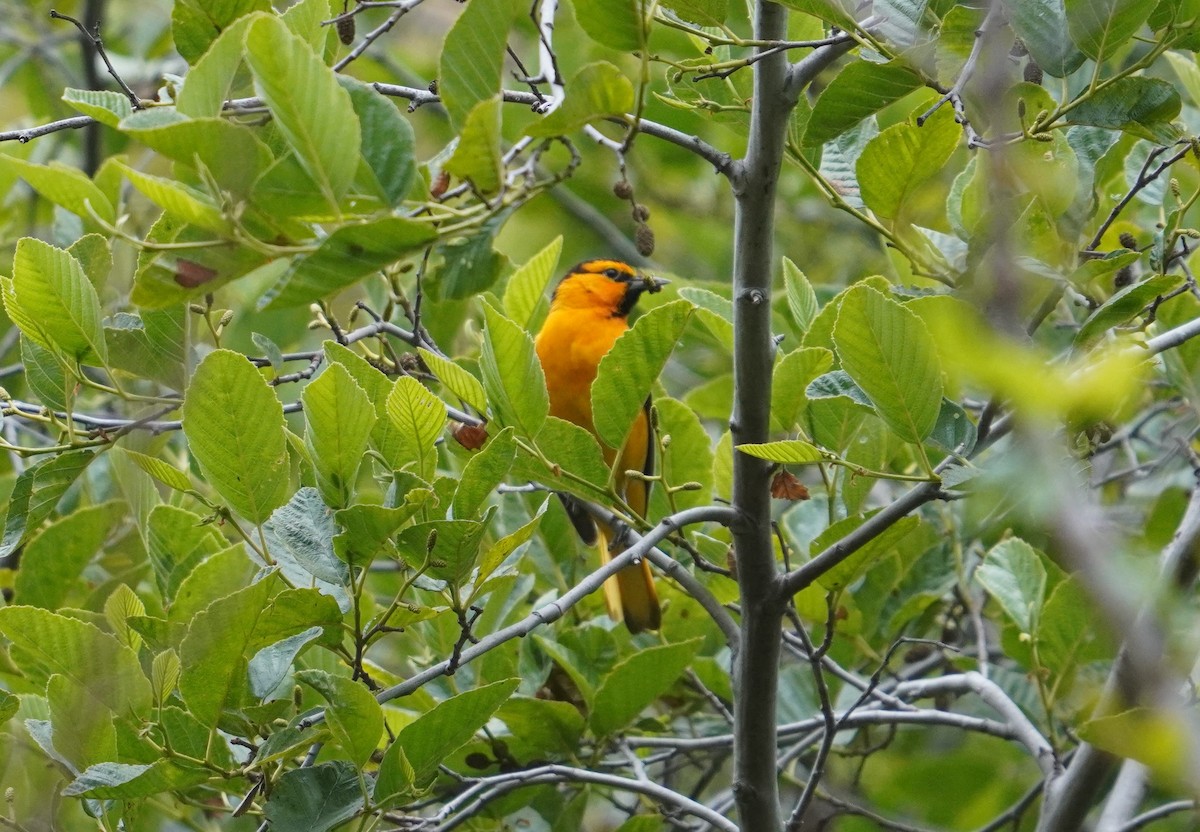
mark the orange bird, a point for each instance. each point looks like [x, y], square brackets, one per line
[588, 312]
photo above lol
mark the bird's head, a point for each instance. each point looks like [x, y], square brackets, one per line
[608, 285]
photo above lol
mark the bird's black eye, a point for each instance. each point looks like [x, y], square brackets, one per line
[612, 274]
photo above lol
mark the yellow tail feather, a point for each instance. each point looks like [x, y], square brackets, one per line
[630, 595]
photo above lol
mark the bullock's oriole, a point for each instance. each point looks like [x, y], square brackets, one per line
[588, 313]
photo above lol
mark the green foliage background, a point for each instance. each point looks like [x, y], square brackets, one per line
[241, 339]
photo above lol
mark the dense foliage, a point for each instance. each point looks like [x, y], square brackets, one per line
[280, 545]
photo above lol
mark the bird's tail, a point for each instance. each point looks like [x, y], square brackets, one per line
[630, 594]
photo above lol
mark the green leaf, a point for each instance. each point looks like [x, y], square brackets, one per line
[1154, 737]
[524, 297]
[790, 380]
[901, 21]
[1124, 305]
[687, 458]
[215, 576]
[483, 472]
[471, 265]
[455, 547]
[177, 541]
[315, 799]
[1138, 105]
[863, 558]
[125, 781]
[618, 24]
[628, 372]
[597, 91]
[902, 157]
[512, 374]
[345, 257]
[388, 142]
[859, 90]
[472, 56]
[160, 469]
[51, 289]
[476, 157]
[36, 492]
[1101, 27]
[54, 559]
[1067, 636]
[570, 448]
[435, 735]
[231, 152]
[92, 659]
[105, 106]
[234, 426]
[48, 376]
[215, 651]
[419, 417]
[195, 23]
[339, 418]
[508, 544]
[353, 714]
[635, 682]
[890, 354]
[802, 300]
[1013, 573]
[313, 112]
[270, 665]
[954, 432]
[455, 379]
[299, 536]
[208, 83]
[714, 311]
[1042, 27]
[384, 436]
[704, 12]
[183, 203]
[65, 186]
[789, 451]
[549, 727]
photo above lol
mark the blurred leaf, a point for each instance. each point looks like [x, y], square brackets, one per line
[617, 24]
[1153, 738]
[234, 426]
[1124, 305]
[549, 727]
[1042, 27]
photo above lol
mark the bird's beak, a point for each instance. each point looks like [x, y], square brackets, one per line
[648, 283]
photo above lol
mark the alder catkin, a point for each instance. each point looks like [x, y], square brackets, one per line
[345, 30]
[1128, 240]
[622, 189]
[644, 238]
